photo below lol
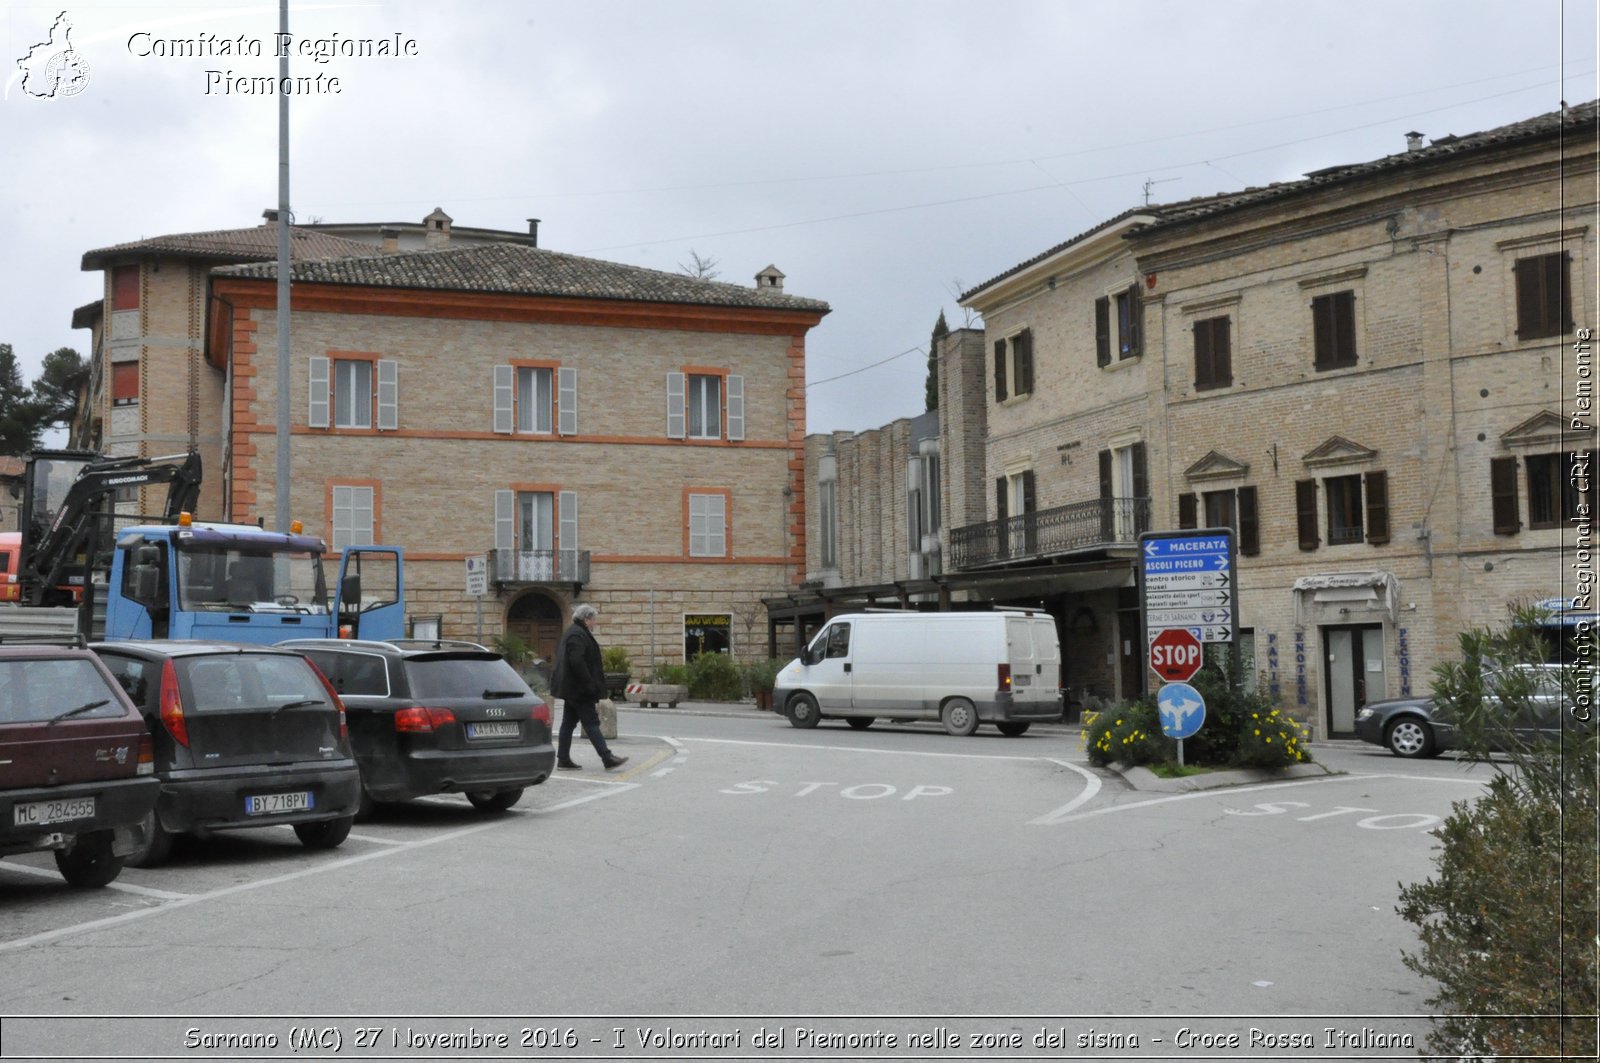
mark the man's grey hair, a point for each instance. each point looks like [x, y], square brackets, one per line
[584, 612]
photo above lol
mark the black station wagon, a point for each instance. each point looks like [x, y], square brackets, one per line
[437, 717]
[76, 765]
[245, 736]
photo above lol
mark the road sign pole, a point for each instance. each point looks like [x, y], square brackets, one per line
[480, 619]
[1180, 752]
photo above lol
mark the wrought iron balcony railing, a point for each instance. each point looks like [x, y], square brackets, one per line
[1048, 532]
[539, 566]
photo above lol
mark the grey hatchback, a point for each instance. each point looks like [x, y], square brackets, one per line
[437, 717]
[245, 736]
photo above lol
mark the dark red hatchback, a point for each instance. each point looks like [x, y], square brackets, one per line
[76, 768]
[245, 736]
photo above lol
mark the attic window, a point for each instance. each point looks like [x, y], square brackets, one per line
[438, 225]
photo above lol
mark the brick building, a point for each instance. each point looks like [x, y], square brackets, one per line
[618, 435]
[1378, 376]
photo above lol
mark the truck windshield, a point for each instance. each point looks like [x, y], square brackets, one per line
[235, 577]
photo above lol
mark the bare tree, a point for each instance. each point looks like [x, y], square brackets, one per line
[968, 317]
[700, 267]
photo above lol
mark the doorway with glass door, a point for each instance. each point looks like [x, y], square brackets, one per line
[1353, 673]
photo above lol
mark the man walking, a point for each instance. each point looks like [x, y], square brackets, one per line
[580, 681]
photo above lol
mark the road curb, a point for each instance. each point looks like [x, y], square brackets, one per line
[1142, 778]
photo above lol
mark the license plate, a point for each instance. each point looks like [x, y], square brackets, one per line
[498, 729]
[269, 804]
[1022, 680]
[40, 813]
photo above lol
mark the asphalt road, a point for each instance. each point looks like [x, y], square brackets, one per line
[897, 880]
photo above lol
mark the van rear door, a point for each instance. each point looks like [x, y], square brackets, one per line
[1020, 655]
[1047, 659]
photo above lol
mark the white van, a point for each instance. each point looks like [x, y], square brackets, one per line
[1002, 668]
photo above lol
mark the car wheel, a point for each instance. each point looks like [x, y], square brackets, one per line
[325, 834]
[860, 723]
[157, 844]
[960, 717]
[494, 800]
[803, 711]
[88, 863]
[1013, 728]
[1409, 737]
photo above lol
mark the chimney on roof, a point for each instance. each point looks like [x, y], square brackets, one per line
[391, 239]
[533, 232]
[437, 228]
[270, 216]
[770, 280]
[1413, 141]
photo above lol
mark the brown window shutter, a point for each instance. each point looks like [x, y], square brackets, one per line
[1105, 474]
[1188, 510]
[1249, 523]
[1377, 508]
[1202, 354]
[1107, 506]
[1028, 505]
[124, 383]
[1503, 492]
[1557, 281]
[1102, 331]
[1527, 278]
[125, 287]
[1024, 342]
[1305, 506]
[1322, 331]
[999, 370]
[1221, 352]
[1344, 326]
[1000, 501]
[1141, 472]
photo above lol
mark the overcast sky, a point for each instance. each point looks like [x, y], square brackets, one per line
[886, 155]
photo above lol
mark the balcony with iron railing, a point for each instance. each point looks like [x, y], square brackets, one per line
[539, 566]
[1075, 528]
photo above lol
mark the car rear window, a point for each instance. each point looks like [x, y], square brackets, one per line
[33, 690]
[248, 681]
[461, 677]
[353, 674]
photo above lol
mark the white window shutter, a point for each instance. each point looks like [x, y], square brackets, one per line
[735, 406]
[567, 556]
[317, 412]
[675, 414]
[504, 389]
[505, 521]
[717, 525]
[567, 402]
[388, 394]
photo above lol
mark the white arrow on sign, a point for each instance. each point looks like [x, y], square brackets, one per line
[1186, 617]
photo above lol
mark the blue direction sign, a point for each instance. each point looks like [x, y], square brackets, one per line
[1186, 580]
[1182, 710]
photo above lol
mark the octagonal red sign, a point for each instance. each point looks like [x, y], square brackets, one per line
[1175, 655]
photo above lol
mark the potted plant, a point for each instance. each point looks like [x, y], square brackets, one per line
[614, 662]
[760, 677]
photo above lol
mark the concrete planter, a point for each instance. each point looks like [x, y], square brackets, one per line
[668, 694]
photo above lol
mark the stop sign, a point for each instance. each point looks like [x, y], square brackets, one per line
[1175, 655]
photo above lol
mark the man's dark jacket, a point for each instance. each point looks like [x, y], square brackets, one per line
[579, 677]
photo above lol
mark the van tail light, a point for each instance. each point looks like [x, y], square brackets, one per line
[541, 713]
[147, 756]
[1004, 677]
[333, 696]
[172, 706]
[421, 721]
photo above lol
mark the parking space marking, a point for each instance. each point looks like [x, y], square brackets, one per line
[185, 900]
[125, 887]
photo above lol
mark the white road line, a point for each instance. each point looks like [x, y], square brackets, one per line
[1088, 794]
[185, 900]
[1223, 791]
[592, 782]
[125, 887]
[861, 749]
[374, 839]
[680, 756]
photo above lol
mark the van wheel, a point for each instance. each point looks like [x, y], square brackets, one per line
[960, 717]
[1013, 728]
[324, 834]
[860, 723]
[494, 801]
[803, 711]
[157, 844]
[88, 863]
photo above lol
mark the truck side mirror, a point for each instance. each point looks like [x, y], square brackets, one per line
[146, 583]
[350, 592]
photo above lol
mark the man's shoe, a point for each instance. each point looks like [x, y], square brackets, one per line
[569, 765]
[616, 762]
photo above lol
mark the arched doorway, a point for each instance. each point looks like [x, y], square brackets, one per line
[536, 618]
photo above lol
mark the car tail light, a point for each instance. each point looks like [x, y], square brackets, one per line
[147, 756]
[172, 705]
[541, 712]
[1004, 677]
[419, 720]
[333, 696]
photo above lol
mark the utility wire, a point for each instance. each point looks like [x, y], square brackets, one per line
[863, 369]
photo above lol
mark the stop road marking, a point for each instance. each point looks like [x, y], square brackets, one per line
[867, 791]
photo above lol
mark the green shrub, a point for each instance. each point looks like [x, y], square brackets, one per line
[677, 674]
[762, 675]
[1129, 733]
[1270, 739]
[715, 677]
[1242, 728]
[514, 648]
[614, 659]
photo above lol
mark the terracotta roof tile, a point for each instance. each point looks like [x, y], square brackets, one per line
[233, 245]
